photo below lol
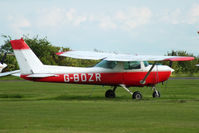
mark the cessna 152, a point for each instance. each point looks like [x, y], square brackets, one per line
[114, 69]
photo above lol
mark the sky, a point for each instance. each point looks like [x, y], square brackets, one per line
[150, 27]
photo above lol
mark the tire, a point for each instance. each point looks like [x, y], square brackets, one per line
[156, 94]
[137, 95]
[110, 94]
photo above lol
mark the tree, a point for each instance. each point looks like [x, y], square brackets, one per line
[45, 51]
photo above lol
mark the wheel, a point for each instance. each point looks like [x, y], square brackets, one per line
[110, 94]
[156, 94]
[137, 95]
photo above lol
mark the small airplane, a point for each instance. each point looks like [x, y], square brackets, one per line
[114, 70]
[3, 65]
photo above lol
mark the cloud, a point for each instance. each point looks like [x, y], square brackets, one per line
[172, 17]
[70, 14]
[193, 15]
[195, 11]
[50, 17]
[58, 17]
[180, 16]
[18, 23]
[120, 19]
[133, 17]
[74, 18]
[106, 23]
[123, 19]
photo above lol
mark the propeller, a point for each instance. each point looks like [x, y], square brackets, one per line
[171, 62]
[3, 59]
[170, 65]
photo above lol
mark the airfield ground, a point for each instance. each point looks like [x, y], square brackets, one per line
[30, 107]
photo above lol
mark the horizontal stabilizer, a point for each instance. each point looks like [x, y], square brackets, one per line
[9, 73]
[41, 75]
[16, 74]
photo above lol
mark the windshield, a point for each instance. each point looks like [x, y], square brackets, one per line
[107, 64]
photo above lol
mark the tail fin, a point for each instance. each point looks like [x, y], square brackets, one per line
[27, 60]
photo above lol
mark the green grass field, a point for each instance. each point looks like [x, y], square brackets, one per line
[30, 107]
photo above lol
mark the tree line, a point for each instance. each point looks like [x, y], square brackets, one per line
[46, 52]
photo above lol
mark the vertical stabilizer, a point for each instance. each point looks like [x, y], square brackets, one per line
[27, 60]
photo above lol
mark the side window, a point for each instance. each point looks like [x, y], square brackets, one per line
[107, 64]
[146, 63]
[132, 65]
[111, 64]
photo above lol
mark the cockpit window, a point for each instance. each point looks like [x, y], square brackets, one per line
[132, 65]
[146, 63]
[107, 64]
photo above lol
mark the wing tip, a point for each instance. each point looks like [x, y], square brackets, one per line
[180, 59]
[59, 53]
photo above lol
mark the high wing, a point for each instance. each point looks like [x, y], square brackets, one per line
[15, 73]
[121, 57]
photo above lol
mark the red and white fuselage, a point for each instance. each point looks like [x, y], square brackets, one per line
[101, 76]
[33, 69]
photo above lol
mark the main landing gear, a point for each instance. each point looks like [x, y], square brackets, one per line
[135, 95]
[110, 93]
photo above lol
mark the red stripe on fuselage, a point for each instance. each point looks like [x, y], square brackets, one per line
[127, 78]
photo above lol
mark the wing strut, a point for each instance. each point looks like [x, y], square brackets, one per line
[144, 80]
[124, 86]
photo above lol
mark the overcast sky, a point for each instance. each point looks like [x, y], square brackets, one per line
[124, 26]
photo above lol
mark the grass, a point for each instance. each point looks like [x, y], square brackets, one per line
[29, 107]
[10, 78]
